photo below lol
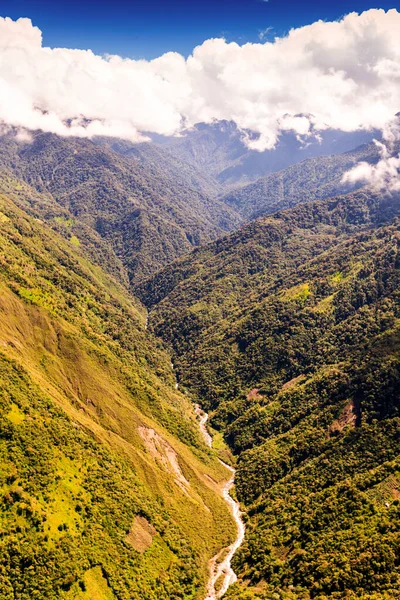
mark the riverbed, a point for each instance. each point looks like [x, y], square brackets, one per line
[222, 569]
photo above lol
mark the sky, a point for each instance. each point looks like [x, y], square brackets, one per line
[127, 70]
[149, 28]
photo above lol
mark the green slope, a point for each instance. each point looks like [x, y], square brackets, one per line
[104, 478]
[148, 206]
[288, 331]
[315, 178]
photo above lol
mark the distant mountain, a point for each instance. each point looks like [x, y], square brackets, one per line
[288, 332]
[219, 149]
[147, 205]
[312, 179]
[102, 463]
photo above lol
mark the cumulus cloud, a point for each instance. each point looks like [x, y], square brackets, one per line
[385, 174]
[343, 75]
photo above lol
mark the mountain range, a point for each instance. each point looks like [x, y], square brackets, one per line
[148, 206]
[221, 150]
[138, 279]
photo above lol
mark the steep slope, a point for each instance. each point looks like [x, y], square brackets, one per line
[312, 179]
[220, 149]
[82, 237]
[102, 463]
[288, 331]
[149, 210]
[166, 163]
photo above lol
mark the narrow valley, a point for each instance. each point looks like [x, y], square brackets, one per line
[199, 300]
[221, 573]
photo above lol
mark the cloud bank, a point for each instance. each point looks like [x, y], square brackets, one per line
[385, 174]
[343, 75]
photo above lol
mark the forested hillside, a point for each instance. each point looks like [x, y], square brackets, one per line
[316, 178]
[140, 206]
[288, 332]
[102, 464]
[148, 206]
[220, 149]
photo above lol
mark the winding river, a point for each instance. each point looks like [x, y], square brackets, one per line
[221, 571]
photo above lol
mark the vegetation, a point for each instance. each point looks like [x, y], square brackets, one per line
[219, 149]
[315, 178]
[148, 206]
[102, 464]
[288, 331]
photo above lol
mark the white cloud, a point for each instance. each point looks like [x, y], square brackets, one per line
[264, 32]
[385, 174]
[343, 75]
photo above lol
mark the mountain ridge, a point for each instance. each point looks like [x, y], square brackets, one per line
[221, 148]
[121, 197]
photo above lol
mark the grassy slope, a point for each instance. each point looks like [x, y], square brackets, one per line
[288, 330]
[83, 386]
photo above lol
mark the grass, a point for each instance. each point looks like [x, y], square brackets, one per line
[95, 587]
[64, 221]
[337, 277]
[297, 293]
[74, 241]
[325, 305]
[16, 416]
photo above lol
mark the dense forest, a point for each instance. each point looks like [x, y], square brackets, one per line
[102, 464]
[316, 178]
[288, 332]
[118, 257]
[142, 205]
[148, 206]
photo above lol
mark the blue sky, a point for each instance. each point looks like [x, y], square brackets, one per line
[148, 28]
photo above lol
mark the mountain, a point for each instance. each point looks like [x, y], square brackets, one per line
[102, 463]
[219, 149]
[288, 333]
[312, 179]
[140, 206]
[148, 207]
[165, 164]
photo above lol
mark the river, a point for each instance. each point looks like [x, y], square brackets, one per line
[222, 569]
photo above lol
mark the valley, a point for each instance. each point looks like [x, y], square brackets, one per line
[199, 300]
[222, 569]
[287, 331]
[274, 304]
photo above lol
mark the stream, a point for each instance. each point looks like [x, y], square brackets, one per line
[222, 569]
